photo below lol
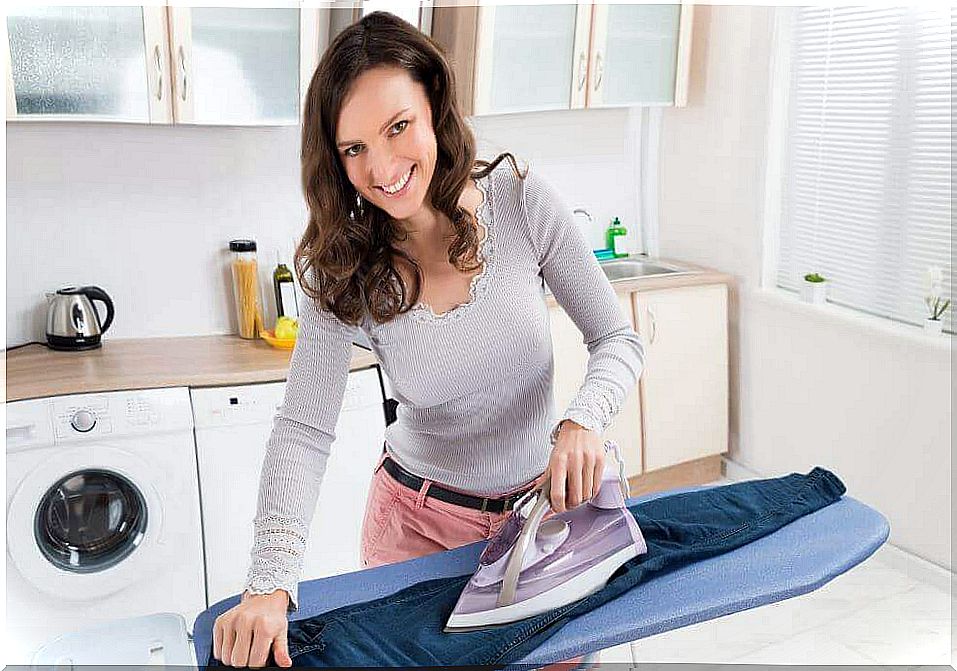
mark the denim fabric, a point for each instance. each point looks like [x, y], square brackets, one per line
[405, 628]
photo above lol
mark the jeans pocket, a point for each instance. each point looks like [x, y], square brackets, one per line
[304, 636]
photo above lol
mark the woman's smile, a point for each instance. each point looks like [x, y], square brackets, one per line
[400, 188]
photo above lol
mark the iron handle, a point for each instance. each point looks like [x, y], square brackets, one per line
[654, 325]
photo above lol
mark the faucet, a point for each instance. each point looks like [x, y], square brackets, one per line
[581, 210]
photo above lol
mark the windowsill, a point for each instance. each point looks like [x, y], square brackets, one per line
[844, 316]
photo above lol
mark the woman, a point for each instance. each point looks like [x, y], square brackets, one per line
[440, 260]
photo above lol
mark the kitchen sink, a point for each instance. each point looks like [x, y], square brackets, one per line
[629, 269]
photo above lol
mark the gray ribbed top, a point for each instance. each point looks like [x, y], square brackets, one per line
[474, 384]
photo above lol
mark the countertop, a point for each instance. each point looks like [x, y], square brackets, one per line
[35, 371]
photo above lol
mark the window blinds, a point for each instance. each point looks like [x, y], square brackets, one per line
[865, 197]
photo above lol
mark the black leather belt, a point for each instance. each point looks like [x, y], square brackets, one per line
[403, 477]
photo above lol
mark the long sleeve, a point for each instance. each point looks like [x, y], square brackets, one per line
[615, 353]
[297, 451]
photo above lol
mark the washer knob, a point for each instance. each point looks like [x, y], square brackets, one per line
[83, 420]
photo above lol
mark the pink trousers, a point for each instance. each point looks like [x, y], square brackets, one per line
[401, 524]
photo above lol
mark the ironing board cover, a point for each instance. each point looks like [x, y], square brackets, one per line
[795, 559]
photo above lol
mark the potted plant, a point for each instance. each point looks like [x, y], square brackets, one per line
[937, 307]
[814, 289]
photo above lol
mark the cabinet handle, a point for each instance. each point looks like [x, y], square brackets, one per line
[598, 69]
[654, 325]
[159, 72]
[182, 68]
[582, 69]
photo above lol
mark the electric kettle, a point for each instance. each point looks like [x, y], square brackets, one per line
[72, 321]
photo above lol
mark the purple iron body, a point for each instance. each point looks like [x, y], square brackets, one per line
[532, 566]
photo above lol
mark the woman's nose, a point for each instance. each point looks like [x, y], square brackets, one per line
[384, 169]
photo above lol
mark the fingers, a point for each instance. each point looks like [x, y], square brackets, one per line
[574, 496]
[281, 649]
[218, 639]
[245, 634]
[558, 485]
[576, 478]
[228, 640]
[597, 473]
[240, 651]
[262, 641]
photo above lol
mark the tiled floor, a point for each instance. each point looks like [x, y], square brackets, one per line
[893, 608]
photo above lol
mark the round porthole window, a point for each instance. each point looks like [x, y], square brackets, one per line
[90, 520]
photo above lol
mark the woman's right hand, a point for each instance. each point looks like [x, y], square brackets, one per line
[244, 634]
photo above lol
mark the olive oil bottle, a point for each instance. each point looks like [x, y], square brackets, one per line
[285, 288]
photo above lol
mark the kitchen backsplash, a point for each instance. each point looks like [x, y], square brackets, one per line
[147, 212]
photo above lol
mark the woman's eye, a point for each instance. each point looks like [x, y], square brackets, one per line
[349, 152]
[402, 123]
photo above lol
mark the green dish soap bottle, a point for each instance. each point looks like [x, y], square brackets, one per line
[615, 238]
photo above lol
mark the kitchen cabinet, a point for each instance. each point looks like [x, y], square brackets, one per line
[684, 387]
[519, 58]
[160, 65]
[571, 362]
[93, 63]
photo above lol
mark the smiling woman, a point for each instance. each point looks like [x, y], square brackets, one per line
[387, 161]
[441, 260]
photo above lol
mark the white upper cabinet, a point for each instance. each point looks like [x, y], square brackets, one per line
[524, 57]
[94, 63]
[194, 65]
[235, 66]
[517, 58]
[635, 54]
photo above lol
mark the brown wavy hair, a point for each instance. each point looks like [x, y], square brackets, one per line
[349, 242]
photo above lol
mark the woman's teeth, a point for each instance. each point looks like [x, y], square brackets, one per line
[400, 186]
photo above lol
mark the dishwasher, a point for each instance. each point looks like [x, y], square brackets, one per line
[232, 426]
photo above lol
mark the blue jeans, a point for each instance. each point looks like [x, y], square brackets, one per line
[405, 628]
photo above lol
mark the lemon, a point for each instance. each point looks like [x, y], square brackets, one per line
[287, 328]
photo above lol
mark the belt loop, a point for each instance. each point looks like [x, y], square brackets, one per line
[484, 504]
[382, 459]
[423, 491]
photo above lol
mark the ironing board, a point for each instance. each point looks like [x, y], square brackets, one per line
[795, 559]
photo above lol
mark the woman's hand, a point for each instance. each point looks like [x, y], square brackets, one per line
[244, 634]
[577, 462]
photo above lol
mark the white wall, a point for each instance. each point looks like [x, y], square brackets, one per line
[867, 398]
[146, 212]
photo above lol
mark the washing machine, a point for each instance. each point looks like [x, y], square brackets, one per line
[103, 513]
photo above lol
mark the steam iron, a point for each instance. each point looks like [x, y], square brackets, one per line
[532, 566]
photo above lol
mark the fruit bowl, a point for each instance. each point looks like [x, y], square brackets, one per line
[281, 343]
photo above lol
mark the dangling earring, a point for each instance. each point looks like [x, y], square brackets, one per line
[360, 203]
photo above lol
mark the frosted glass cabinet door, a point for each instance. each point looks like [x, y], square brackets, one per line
[97, 63]
[525, 57]
[634, 55]
[236, 65]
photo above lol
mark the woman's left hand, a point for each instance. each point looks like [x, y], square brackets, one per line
[575, 466]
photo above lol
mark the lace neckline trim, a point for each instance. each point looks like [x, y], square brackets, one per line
[479, 283]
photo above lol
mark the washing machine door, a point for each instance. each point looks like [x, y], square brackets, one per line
[80, 526]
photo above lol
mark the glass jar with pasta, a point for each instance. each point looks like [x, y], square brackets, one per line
[246, 288]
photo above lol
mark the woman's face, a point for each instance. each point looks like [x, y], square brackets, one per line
[386, 142]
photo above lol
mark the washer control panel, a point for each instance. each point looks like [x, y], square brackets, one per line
[87, 415]
[79, 417]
